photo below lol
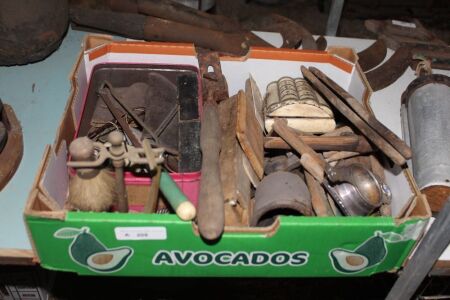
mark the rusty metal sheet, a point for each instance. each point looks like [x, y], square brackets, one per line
[372, 56]
[391, 70]
[292, 32]
[321, 43]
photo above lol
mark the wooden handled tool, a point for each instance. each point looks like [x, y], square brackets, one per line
[151, 28]
[172, 10]
[385, 132]
[210, 217]
[355, 143]
[319, 200]
[184, 208]
[314, 165]
[310, 160]
[356, 120]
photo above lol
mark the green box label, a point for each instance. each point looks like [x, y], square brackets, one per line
[90, 252]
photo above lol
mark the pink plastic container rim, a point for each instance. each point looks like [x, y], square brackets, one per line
[189, 183]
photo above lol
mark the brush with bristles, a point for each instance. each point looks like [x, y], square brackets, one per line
[90, 189]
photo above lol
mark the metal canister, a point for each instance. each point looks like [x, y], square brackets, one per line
[426, 127]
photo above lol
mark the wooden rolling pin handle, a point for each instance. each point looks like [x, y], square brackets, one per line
[310, 160]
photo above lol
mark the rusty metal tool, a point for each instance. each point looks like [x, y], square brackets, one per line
[211, 216]
[321, 43]
[122, 103]
[105, 94]
[372, 56]
[354, 118]
[149, 28]
[292, 32]
[121, 156]
[370, 119]
[391, 70]
[108, 94]
[90, 189]
[422, 44]
[172, 10]
[399, 33]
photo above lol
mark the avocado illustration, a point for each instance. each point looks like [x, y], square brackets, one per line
[84, 245]
[348, 261]
[88, 251]
[370, 253]
[109, 260]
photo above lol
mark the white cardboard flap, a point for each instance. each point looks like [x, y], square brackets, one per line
[55, 179]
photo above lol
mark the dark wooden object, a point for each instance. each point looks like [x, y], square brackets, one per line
[235, 183]
[319, 200]
[310, 160]
[171, 10]
[156, 29]
[211, 216]
[359, 123]
[370, 119]
[355, 143]
[250, 134]
[211, 203]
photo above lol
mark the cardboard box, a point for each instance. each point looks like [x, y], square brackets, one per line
[137, 244]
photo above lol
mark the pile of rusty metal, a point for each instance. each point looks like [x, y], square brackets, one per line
[413, 44]
[169, 21]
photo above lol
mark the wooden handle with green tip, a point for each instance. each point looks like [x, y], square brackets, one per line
[184, 209]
